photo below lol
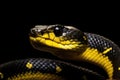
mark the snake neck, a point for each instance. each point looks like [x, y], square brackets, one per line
[92, 55]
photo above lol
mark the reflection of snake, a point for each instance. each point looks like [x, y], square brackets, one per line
[69, 44]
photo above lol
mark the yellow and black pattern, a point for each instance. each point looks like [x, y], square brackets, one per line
[44, 69]
[78, 46]
[67, 43]
[108, 49]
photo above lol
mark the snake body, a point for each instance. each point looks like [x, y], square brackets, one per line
[69, 44]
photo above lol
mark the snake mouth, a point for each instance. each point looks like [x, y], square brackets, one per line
[40, 46]
[55, 42]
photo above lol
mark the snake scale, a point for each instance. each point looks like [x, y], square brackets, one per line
[74, 49]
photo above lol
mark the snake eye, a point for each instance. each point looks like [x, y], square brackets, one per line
[58, 30]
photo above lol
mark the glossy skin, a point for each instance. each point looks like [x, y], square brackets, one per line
[102, 43]
[44, 69]
[76, 45]
[106, 47]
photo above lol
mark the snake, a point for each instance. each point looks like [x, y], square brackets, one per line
[76, 53]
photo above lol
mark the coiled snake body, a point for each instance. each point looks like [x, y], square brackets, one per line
[69, 44]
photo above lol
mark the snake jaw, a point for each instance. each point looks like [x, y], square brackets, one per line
[54, 47]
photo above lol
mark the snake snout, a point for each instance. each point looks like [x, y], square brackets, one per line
[33, 32]
[37, 30]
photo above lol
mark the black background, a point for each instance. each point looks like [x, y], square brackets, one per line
[16, 24]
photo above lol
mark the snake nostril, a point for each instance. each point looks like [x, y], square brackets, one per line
[33, 32]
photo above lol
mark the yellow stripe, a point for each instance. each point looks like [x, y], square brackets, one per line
[35, 76]
[61, 45]
[107, 50]
[94, 56]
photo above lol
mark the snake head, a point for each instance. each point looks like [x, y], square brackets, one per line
[58, 38]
